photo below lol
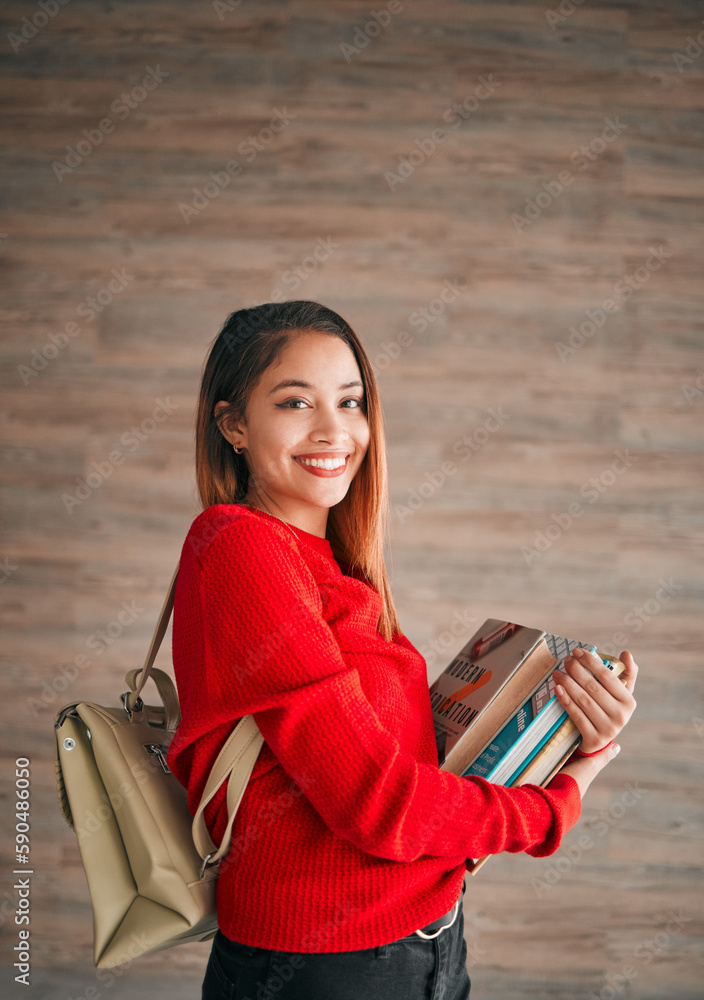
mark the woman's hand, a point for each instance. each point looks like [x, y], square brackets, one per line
[599, 704]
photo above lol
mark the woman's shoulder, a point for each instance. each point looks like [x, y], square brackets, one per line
[227, 542]
[227, 524]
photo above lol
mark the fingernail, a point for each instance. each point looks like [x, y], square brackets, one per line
[616, 749]
[578, 652]
[560, 690]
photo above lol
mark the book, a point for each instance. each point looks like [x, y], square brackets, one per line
[530, 728]
[486, 682]
[552, 756]
[565, 739]
[494, 707]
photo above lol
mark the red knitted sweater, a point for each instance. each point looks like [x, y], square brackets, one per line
[348, 835]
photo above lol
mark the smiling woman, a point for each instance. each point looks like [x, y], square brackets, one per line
[291, 441]
[349, 849]
[254, 432]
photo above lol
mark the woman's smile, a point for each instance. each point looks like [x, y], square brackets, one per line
[325, 464]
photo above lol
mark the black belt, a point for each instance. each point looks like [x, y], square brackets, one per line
[437, 926]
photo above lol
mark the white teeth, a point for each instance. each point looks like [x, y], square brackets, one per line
[323, 463]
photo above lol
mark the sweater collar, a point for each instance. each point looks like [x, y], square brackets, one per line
[321, 545]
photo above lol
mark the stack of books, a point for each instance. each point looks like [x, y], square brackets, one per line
[495, 710]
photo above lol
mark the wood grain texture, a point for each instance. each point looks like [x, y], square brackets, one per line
[471, 496]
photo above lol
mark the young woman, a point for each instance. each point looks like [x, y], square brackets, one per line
[346, 871]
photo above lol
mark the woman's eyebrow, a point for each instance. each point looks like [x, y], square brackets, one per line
[307, 385]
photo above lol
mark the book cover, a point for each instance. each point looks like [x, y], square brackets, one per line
[461, 696]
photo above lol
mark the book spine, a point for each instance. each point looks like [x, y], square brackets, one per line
[536, 750]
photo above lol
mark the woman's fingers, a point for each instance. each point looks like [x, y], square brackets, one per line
[599, 685]
[583, 722]
[599, 703]
[607, 683]
[586, 687]
[628, 677]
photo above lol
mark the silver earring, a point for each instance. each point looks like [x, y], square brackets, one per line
[238, 451]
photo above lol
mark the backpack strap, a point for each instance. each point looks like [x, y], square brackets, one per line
[159, 633]
[236, 759]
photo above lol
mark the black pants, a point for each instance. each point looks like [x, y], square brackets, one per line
[408, 969]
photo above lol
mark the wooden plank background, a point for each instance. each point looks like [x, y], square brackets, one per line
[537, 82]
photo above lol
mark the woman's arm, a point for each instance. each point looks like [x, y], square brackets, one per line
[270, 652]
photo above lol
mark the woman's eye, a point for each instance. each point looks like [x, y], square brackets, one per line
[289, 404]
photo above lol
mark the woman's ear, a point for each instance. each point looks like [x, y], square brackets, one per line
[229, 432]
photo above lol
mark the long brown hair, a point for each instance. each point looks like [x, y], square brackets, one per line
[249, 342]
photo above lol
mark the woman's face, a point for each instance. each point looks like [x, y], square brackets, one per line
[320, 417]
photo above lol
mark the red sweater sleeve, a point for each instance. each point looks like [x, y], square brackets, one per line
[273, 655]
